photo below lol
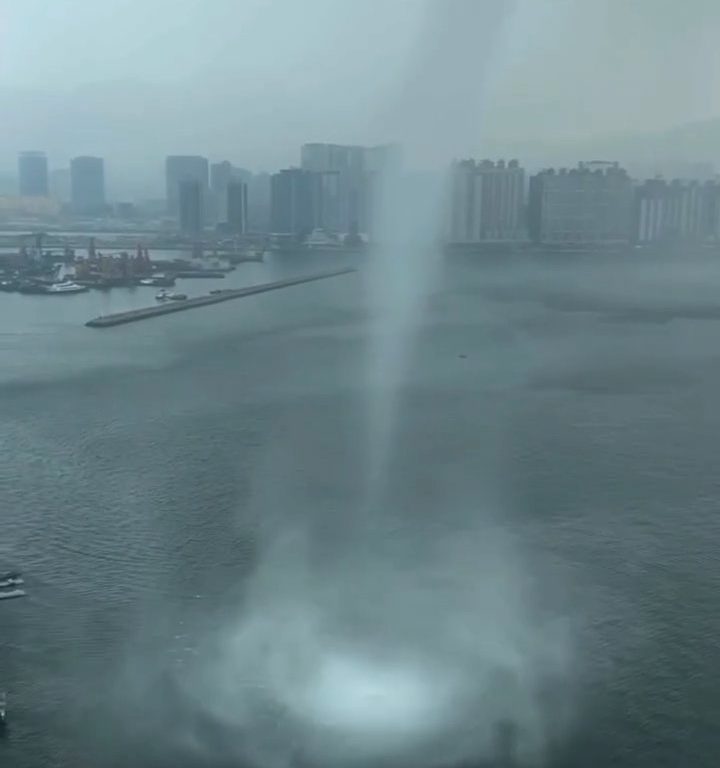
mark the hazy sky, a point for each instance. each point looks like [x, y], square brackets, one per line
[251, 80]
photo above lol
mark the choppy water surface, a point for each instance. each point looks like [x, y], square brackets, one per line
[158, 480]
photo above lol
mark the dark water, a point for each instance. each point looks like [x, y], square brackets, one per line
[137, 464]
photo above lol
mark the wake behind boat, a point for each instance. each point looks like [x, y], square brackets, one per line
[9, 585]
[11, 579]
[12, 593]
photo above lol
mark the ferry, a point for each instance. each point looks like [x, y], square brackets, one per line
[65, 287]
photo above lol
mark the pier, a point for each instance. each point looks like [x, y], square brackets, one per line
[134, 315]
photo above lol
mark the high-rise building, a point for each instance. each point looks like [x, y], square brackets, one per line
[33, 174]
[237, 207]
[464, 204]
[293, 196]
[346, 193]
[87, 179]
[677, 212]
[486, 202]
[220, 176]
[259, 193]
[590, 204]
[190, 204]
[179, 168]
[711, 211]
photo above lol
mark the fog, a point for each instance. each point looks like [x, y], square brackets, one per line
[393, 629]
[399, 641]
[250, 81]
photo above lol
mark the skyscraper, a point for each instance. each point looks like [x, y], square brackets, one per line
[590, 204]
[346, 193]
[486, 202]
[179, 168]
[87, 180]
[237, 207]
[33, 174]
[293, 196]
[677, 212]
[190, 202]
[259, 192]
[220, 176]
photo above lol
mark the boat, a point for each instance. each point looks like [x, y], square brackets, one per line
[171, 295]
[12, 593]
[3, 710]
[158, 280]
[65, 287]
[11, 579]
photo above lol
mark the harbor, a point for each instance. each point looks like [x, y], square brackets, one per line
[145, 313]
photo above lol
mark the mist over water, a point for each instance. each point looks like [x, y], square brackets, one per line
[413, 640]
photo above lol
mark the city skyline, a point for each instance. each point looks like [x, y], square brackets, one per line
[488, 202]
[700, 166]
[539, 90]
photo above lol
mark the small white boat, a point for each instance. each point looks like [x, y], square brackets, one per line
[10, 594]
[170, 295]
[3, 709]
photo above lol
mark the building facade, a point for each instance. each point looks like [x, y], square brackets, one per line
[349, 179]
[589, 205]
[190, 206]
[221, 175]
[33, 174]
[677, 212]
[486, 202]
[87, 184]
[236, 206]
[293, 200]
[181, 168]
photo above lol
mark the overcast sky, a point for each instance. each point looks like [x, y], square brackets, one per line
[251, 80]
